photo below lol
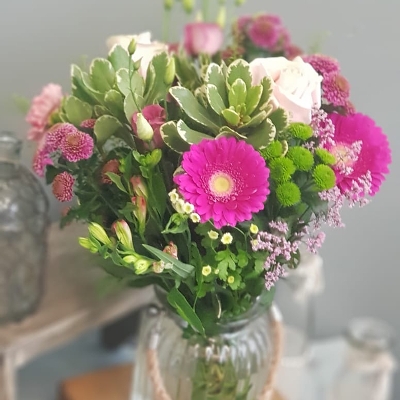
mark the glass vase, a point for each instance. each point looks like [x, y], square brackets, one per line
[236, 364]
[368, 365]
[23, 233]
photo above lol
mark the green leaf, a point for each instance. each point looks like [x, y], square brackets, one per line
[105, 127]
[178, 301]
[177, 224]
[117, 180]
[170, 135]
[253, 98]
[180, 268]
[119, 57]
[129, 85]
[266, 84]
[115, 103]
[192, 108]
[51, 173]
[186, 72]
[263, 135]
[156, 89]
[159, 193]
[237, 93]
[239, 69]
[231, 117]
[225, 131]
[133, 103]
[215, 76]
[101, 110]
[189, 135]
[255, 121]
[79, 89]
[280, 119]
[214, 99]
[102, 74]
[77, 110]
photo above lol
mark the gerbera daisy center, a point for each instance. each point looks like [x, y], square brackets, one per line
[221, 184]
[344, 155]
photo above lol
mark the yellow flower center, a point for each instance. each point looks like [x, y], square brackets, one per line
[221, 184]
[343, 155]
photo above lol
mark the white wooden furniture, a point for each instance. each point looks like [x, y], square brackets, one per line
[71, 306]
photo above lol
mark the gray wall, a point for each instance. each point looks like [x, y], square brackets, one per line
[39, 38]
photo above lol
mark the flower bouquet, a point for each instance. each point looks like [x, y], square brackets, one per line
[201, 170]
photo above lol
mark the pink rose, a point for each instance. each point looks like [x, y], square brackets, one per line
[203, 37]
[155, 116]
[43, 105]
[296, 85]
[146, 49]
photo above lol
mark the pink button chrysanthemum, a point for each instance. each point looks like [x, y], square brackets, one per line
[40, 160]
[62, 187]
[226, 180]
[265, 31]
[336, 89]
[56, 134]
[324, 65]
[77, 146]
[362, 152]
[41, 109]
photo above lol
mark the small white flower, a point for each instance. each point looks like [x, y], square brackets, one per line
[213, 235]
[227, 238]
[206, 270]
[179, 206]
[173, 196]
[231, 279]
[188, 208]
[195, 218]
[254, 229]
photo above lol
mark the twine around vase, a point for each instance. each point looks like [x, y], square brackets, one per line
[275, 320]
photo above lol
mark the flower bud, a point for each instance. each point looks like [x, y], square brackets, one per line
[98, 232]
[168, 4]
[144, 130]
[141, 210]
[87, 244]
[170, 72]
[188, 5]
[171, 249]
[142, 265]
[240, 2]
[132, 47]
[139, 187]
[221, 17]
[131, 259]
[123, 232]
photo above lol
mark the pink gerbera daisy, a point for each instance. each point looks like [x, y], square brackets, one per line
[362, 151]
[77, 146]
[322, 64]
[62, 186]
[41, 109]
[226, 180]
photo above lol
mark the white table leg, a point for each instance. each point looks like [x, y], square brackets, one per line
[7, 378]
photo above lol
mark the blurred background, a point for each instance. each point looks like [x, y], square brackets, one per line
[40, 39]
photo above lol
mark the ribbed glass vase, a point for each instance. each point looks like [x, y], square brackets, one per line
[235, 364]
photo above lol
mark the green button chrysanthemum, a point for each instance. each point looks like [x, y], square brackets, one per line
[325, 156]
[302, 158]
[300, 131]
[273, 150]
[281, 169]
[288, 194]
[324, 177]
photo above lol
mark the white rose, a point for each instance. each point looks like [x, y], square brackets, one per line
[296, 85]
[145, 48]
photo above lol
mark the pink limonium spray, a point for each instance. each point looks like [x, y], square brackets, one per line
[42, 107]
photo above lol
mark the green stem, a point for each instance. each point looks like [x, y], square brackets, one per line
[205, 9]
[166, 25]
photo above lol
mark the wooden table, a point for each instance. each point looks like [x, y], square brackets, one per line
[70, 307]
